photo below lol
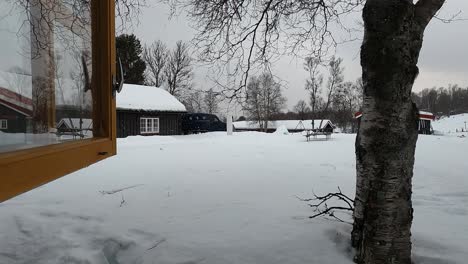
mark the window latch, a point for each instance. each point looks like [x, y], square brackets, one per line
[118, 84]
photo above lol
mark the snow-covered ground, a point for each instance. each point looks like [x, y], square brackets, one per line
[215, 199]
[456, 124]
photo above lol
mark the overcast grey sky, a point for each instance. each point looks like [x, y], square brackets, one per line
[443, 59]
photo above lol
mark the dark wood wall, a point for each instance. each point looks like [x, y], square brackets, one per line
[424, 127]
[128, 122]
[16, 121]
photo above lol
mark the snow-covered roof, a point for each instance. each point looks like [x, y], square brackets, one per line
[149, 98]
[74, 123]
[16, 101]
[289, 124]
[423, 115]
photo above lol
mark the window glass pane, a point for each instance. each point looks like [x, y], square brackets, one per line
[149, 124]
[156, 125]
[45, 72]
[142, 125]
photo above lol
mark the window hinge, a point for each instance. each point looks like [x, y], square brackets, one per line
[118, 84]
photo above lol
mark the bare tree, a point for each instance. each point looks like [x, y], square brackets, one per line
[17, 80]
[386, 141]
[236, 36]
[345, 102]
[193, 101]
[178, 71]
[335, 79]
[302, 109]
[127, 11]
[156, 57]
[264, 99]
[313, 83]
[211, 101]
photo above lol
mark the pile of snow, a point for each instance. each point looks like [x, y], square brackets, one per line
[452, 124]
[212, 199]
[139, 97]
[282, 130]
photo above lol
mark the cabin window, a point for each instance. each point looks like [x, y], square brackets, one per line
[3, 124]
[149, 125]
[142, 125]
[156, 125]
[57, 63]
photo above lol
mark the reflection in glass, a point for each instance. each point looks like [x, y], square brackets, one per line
[45, 72]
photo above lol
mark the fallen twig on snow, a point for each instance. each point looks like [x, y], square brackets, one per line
[119, 190]
[157, 244]
[322, 209]
[122, 202]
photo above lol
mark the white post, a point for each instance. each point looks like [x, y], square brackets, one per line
[229, 124]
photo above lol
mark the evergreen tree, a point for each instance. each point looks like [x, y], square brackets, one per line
[129, 51]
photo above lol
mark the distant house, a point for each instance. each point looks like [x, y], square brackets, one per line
[15, 111]
[424, 124]
[147, 110]
[80, 127]
[292, 125]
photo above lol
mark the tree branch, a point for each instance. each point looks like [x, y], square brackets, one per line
[322, 209]
[427, 9]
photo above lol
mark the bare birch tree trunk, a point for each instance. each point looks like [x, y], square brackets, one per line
[386, 141]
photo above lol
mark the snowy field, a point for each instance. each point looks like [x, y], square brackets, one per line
[214, 199]
[453, 124]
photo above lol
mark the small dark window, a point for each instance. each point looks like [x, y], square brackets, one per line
[3, 124]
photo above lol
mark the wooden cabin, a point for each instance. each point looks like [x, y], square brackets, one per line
[293, 126]
[76, 127]
[15, 111]
[146, 110]
[424, 124]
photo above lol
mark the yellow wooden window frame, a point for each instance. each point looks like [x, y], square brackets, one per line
[24, 170]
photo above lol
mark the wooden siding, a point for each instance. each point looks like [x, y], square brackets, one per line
[128, 122]
[16, 121]
[424, 127]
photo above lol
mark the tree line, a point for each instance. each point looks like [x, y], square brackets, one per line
[442, 101]
[329, 96]
[170, 69]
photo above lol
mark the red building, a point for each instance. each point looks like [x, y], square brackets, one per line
[15, 111]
